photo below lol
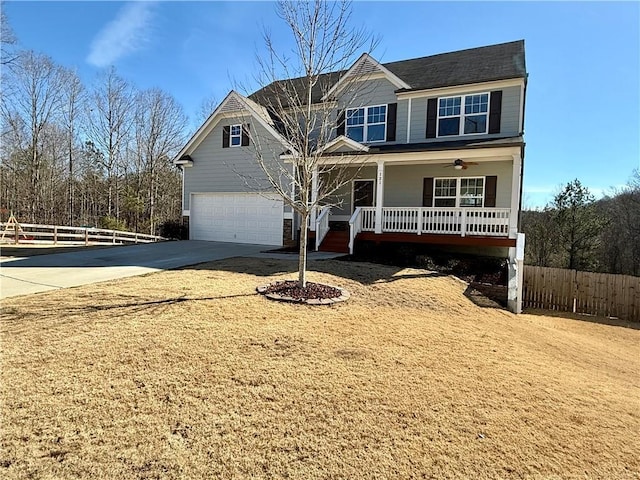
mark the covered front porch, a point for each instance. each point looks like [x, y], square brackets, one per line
[446, 197]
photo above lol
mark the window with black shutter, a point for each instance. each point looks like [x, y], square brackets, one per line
[245, 135]
[225, 136]
[495, 111]
[392, 111]
[340, 123]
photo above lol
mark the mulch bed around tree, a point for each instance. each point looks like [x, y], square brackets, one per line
[312, 294]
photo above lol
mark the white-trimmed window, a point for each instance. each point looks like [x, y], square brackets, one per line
[367, 124]
[458, 192]
[235, 135]
[445, 192]
[463, 115]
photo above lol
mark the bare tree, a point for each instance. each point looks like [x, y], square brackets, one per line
[160, 126]
[207, 106]
[542, 245]
[294, 84]
[8, 40]
[620, 242]
[72, 107]
[110, 117]
[29, 106]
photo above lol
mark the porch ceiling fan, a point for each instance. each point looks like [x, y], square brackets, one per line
[460, 164]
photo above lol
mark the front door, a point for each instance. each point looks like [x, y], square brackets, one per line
[362, 193]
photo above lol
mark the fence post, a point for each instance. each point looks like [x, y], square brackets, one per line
[86, 236]
[113, 241]
[463, 223]
[55, 235]
[15, 230]
[136, 238]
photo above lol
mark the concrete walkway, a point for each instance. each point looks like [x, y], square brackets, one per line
[40, 273]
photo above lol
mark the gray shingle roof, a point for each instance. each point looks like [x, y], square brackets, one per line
[474, 65]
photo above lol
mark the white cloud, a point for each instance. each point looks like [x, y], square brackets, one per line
[126, 34]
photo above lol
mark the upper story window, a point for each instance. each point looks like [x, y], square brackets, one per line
[235, 135]
[367, 124]
[458, 192]
[463, 115]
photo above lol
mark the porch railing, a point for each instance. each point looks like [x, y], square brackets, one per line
[322, 225]
[433, 220]
[452, 221]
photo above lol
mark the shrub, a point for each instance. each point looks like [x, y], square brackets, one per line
[112, 223]
[173, 229]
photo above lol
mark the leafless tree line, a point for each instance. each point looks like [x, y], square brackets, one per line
[86, 155]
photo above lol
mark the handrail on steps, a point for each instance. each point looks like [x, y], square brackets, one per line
[322, 225]
[355, 227]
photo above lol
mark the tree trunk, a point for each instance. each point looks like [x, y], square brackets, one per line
[70, 185]
[302, 260]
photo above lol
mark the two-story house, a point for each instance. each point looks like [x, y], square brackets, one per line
[440, 140]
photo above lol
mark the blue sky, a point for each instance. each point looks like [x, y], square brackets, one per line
[583, 59]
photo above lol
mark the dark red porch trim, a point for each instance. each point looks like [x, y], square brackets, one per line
[471, 240]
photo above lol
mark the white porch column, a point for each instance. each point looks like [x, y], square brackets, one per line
[516, 270]
[314, 198]
[515, 195]
[379, 196]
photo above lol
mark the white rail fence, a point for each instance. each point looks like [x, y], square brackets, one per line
[35, 234]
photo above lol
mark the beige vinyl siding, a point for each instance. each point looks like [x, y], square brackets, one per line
[401, 121]
[342, 198]
[509, 119]
[418, 132]
[379, 91]
[217, 169]
[403, 184]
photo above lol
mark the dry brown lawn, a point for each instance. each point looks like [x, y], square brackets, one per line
[190, 374]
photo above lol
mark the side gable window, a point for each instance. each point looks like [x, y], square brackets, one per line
[463, 115]
[236, 135]
[367, 124]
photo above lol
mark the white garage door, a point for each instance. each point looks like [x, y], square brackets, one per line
[236, 217]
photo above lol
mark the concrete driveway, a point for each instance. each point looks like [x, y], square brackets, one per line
[22, 276]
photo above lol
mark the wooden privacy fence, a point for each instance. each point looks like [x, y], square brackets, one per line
[564, 290]
[31, 233]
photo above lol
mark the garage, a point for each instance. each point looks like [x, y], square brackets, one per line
[236, 217]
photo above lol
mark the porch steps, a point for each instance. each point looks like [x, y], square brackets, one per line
[335, 241]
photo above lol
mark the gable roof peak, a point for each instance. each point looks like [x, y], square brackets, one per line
[366, 65]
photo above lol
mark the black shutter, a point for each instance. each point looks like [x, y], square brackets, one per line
[245, 135]
[427, 192]
[225, 136]
[490, 191]
[495, 110]
[432, 117]
[340, 124]
[392, 110]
